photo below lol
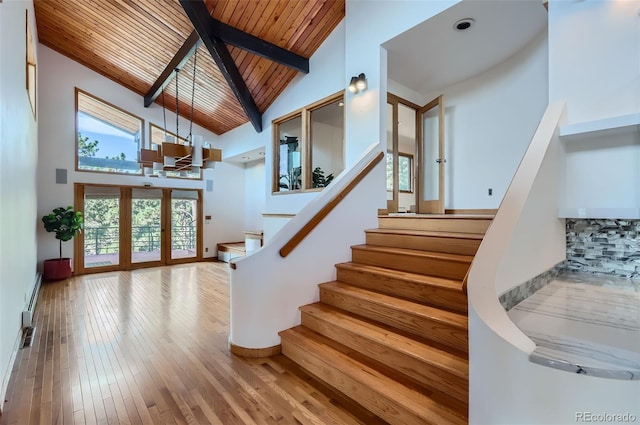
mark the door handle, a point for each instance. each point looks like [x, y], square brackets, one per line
[439, 160]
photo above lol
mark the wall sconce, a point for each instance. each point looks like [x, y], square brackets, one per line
[358, 84]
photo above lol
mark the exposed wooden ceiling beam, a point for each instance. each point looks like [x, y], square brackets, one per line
[258, 46]
[201, 20]
[181, 57]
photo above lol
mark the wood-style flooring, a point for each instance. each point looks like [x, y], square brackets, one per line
[150, 346]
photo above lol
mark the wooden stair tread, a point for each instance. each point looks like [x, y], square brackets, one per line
[384, 396]
[459, 258]
[440, 282]
[434, 314]
[433, 233]
[439, 216]
[450, 362]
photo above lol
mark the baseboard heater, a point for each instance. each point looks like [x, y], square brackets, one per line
[28, 329]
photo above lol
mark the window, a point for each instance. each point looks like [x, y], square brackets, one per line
[108, 138]
[309, 146]
[157, 137]
[405, 175]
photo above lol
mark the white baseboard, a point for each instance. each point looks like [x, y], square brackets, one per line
[7, 373]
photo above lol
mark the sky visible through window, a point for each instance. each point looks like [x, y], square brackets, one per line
[112, 140]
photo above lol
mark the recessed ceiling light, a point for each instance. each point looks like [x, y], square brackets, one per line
[260, 153]
[341, 104]
[245, 157]
[464, 24]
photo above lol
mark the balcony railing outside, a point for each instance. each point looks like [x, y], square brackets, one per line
[103, 243]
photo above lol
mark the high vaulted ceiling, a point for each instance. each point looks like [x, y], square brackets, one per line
[132, 41]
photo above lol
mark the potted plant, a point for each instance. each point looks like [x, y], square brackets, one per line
[66, 223]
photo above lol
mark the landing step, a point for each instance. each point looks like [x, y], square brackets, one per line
[443, 223]
[443, 234]
[451, 266]
[430, 290]
[385, 397]
[435, 369]
[426, 240]
[435, 324]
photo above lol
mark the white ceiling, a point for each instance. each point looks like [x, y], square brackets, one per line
[433, 55]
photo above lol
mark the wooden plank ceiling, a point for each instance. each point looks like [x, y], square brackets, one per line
[131, 42]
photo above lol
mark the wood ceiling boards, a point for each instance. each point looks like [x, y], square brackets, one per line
[131, 42]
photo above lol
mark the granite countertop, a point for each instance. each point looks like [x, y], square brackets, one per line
[587, 324]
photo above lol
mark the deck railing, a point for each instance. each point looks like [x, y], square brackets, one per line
[147, 238]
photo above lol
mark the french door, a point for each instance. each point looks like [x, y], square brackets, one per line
[132, 227]
[415, 156]
[431, 160]
[402, 137]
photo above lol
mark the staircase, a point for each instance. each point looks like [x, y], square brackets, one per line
[391, 331]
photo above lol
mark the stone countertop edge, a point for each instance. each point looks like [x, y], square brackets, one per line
[544, 360]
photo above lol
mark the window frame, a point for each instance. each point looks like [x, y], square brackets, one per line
[410, 157]
[410, 168]
[305, 143]
[142, 135]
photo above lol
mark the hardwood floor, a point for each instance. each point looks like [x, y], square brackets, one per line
[150, 346]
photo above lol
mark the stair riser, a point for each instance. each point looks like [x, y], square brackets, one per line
[424, 374]
[444, 333]
[435, 224]
[410, 263]
[425, 243]
[415, 291]
[386, 409]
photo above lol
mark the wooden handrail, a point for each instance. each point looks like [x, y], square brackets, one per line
[320, 215]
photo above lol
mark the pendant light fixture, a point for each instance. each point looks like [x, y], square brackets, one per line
[183, 155]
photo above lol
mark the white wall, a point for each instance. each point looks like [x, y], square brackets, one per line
[18, 158]
[324, 79]
[594, 64]
[366, 112]
[254, 195]
[489, 121]
[58, 77]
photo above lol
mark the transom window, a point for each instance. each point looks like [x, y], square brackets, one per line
[309, 146]
[108, 139]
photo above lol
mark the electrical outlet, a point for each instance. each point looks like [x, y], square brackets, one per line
[206, 249]
[490, 192]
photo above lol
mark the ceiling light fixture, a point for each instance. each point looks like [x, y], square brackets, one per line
[358, 84]
[176, 153]
[464, 24]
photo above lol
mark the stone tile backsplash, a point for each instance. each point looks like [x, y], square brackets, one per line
[604, 246]
[523, 291]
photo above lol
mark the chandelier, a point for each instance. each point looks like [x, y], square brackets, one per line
[189, 154]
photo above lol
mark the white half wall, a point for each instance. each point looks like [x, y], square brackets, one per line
[267, 290]
[525, 239]
[59, 76]
[18, 160]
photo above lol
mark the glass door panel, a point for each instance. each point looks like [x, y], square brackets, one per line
[101, 235]
[146, 225]
[392, 182]
[184, 224]
[431, 191]
[407, 116]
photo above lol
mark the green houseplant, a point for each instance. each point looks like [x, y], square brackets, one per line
[65, 223]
